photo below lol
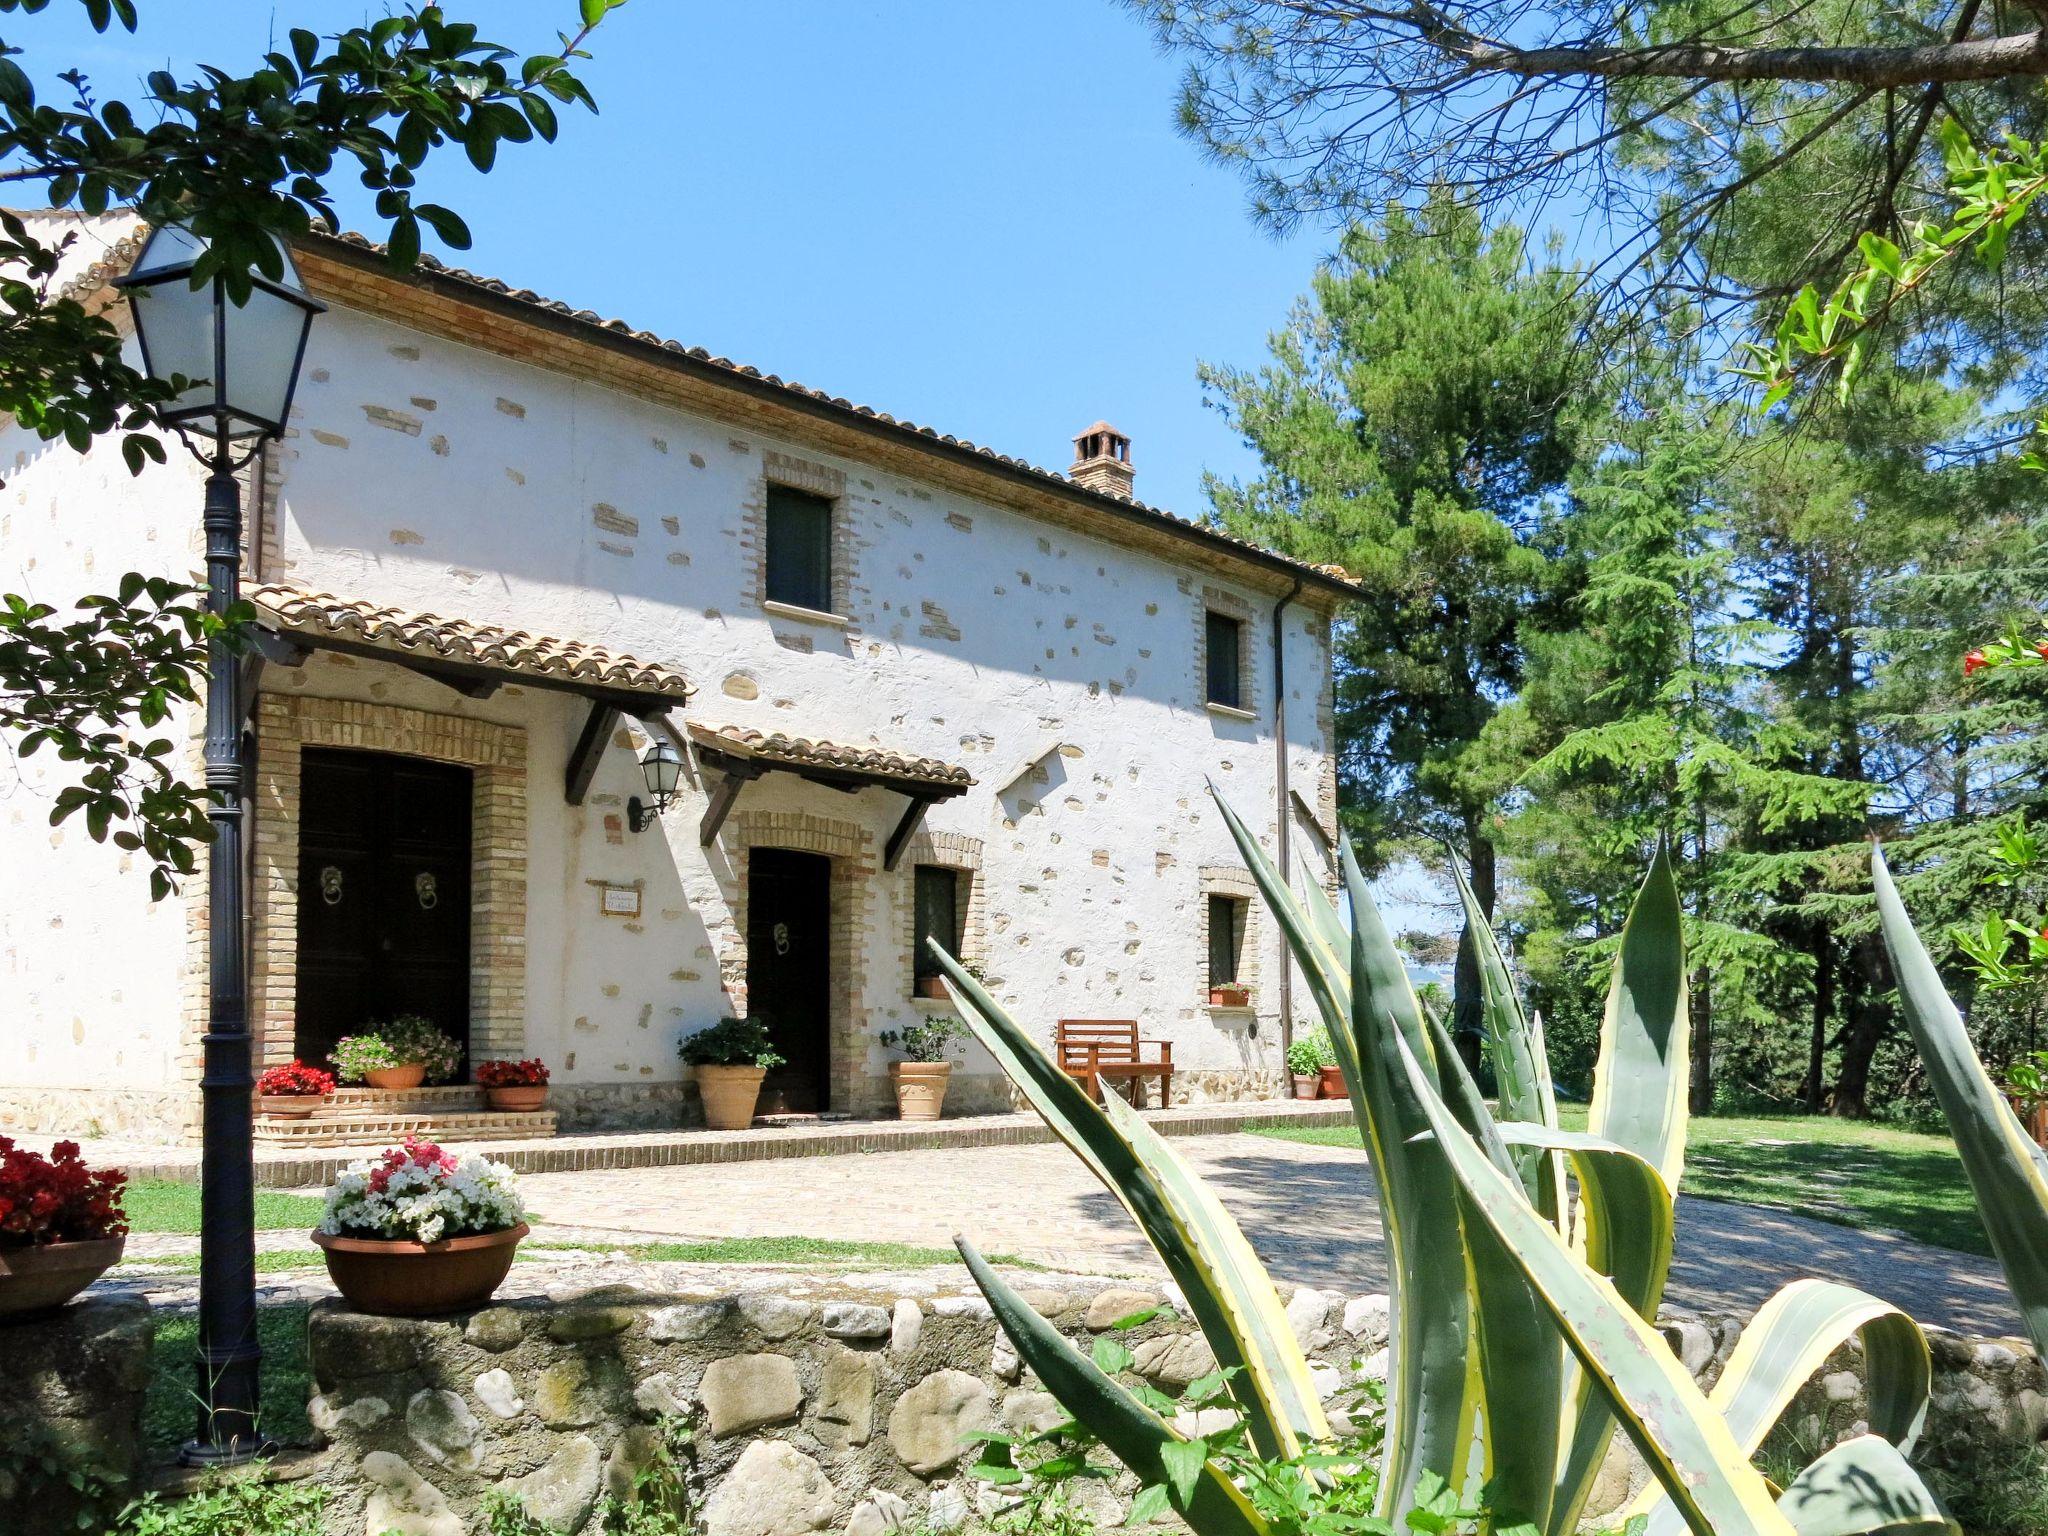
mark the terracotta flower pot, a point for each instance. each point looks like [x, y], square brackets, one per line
[391, 1079]
[44, 1276]
[520, 1096]
[1307, 1084]
[405, 1279]
[729, 1095]
[920, 1088]
[1229, 997]
[290, 1106]
[1332, 1082]
[932, 986]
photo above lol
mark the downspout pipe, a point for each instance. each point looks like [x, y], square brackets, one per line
[1283, 814]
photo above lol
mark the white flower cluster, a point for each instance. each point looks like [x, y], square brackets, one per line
[422, 1202]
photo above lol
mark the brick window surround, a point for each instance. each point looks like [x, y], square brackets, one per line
[1235, 882]
[785, 469]
[852, 852]
[962, 855]
[287, 723]
[1249, 651]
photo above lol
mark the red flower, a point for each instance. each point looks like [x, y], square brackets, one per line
[57, 1199]
[531, 1073]
[296, 1081]
[1972, 661]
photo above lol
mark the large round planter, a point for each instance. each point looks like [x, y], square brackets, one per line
[1332, 1082]
[395, 1079]
[1307, 1085]
[44, 1276]
[920, 1088]
[523, 1097]
[729, 1095]
[402, 1279]
[290, 1106]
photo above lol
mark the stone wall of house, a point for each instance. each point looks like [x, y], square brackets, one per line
[71, 1440]
[814, 1405]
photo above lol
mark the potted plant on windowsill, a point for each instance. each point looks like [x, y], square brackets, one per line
[293, 1092]
[932, 988]
[920, 1079]
[514, 1085]
[61, 1226]
[402, 1054]
[418, 1231]
[1230, 994]
[731, 1058]
[1306, 1057]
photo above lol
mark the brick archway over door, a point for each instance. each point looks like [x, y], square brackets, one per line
[287, 723]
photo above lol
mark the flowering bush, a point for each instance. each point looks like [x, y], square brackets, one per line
[419, 1193]
[532, 1073]
[57, 1199]
[406, 1040]
[297, 1081]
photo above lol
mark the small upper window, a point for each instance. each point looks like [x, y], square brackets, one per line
[938, 917]
[799, 556]
[1227, 916]
[1225, 648]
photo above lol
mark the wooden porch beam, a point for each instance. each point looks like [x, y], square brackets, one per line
[583, 759]
[722, 800]
[913, 817]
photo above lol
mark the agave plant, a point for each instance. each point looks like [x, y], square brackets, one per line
[1526, 1265]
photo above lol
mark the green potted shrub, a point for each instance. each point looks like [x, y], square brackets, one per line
[402, 1054]
[731, 1058]
[1306, 1057]
[920, 1078]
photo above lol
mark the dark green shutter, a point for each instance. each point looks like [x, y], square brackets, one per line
[1225, 638]
[938, 915]
[1223, 939]
[799, 549]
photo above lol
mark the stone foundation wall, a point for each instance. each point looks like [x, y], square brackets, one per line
[71, 1415]
[813, 1405]
[123, 1114]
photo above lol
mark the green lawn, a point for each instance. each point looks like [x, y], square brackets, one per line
[170, 1411]
[1845, 1171]
[169, 1205]
[720, 1250]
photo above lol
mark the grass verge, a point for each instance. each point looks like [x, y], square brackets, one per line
[171, 1205]
[795, 1251]
[1850, 1172]
[170, 1410]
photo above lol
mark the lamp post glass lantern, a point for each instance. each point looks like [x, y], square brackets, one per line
[238, 365]
[661, 767]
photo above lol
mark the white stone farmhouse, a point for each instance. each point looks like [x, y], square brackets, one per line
[919, 687]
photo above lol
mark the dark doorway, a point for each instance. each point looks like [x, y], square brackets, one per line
[789, 973]
[383, 895]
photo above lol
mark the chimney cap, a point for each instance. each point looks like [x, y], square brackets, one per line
[1102, 460]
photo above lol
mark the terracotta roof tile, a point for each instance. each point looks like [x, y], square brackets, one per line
[321, 614]
[801, 752]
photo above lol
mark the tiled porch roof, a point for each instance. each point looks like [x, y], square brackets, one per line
[319, 616]
[797, 752]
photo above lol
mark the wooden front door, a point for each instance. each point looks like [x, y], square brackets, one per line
[383, 895]
[789, 973]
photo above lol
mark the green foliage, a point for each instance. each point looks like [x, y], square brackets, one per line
[172, 1402]
[245, 1503]
[1310, 1051]
[731, 1043]
[408, 1040]
[662, 1500]
[929, 1039]
[39, 1465]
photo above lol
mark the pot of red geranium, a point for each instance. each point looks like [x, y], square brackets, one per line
[402, 1054]
[418, 1231]
[293, 1092]
[61, 1226]
[514, 1085]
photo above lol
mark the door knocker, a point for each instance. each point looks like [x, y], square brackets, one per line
[782, 938]
[423, 887]
[330, 885]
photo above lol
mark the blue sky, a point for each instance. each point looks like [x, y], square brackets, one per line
[975, 215]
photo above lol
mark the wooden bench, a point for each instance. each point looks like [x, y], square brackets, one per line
[1095, 1051]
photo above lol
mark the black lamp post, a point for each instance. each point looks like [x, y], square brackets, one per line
[246, 358]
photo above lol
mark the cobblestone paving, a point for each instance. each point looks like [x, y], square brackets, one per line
[1310, 1211]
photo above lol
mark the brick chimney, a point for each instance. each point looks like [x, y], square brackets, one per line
[1102, 460]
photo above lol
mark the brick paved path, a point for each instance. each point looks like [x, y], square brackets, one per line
[1310, 1211]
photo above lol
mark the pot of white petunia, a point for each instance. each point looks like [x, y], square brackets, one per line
[419, 1231]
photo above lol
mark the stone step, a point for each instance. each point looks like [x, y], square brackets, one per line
[369, 1127]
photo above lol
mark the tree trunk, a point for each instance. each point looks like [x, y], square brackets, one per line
[1468, 1022]
[1868, 1021]
[1823, 1010]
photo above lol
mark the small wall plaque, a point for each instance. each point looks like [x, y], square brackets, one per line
[619, 900]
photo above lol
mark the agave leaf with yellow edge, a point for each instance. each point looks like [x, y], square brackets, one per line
[1227, 1290]
[1789, 1339]
[1864, 1487]
[1639, 1085]
[1130, 1431]
[2008, 1173]
[1688, 1448]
